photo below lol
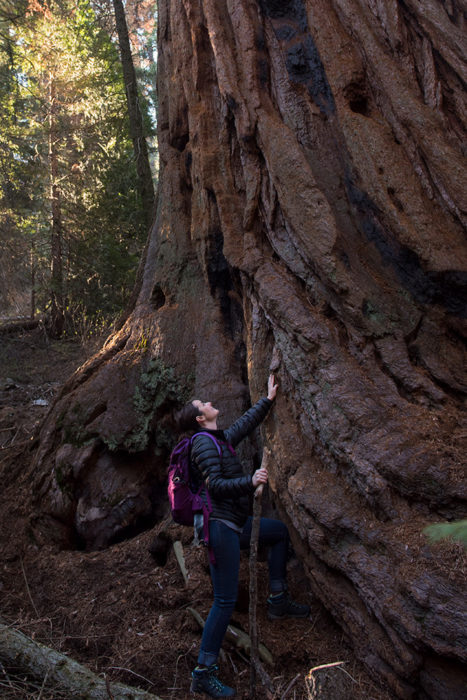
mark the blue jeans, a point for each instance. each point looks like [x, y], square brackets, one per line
[226, 544]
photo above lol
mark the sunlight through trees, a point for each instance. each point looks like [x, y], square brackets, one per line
[72, 220]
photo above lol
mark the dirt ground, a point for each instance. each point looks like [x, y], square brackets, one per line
[124, 612]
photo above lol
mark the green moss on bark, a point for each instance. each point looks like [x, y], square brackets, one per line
[156, 390]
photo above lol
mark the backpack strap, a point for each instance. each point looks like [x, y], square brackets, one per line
[229, 447]
[215, 440]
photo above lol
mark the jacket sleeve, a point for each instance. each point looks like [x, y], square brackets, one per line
[206, 457]
[248, 422]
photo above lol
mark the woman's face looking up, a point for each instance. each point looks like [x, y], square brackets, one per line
[207, 411]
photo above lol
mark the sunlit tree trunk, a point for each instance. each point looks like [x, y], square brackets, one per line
[56, 279]
[33, 278]
[145, 182]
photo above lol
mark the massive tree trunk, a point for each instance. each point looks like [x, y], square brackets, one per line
[310, 215]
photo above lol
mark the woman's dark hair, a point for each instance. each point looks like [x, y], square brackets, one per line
[185, 419]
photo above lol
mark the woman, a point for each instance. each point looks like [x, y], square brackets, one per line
[230, 528]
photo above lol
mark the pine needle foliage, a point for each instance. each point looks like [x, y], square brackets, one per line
[59, 67]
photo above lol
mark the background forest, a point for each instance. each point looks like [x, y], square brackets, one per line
[73, 219]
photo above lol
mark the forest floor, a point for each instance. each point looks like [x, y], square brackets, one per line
[119, 611]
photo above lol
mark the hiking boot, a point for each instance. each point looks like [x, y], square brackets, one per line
[206, 681]
[282, 605]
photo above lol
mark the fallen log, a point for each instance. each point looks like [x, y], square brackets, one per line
[24, 324]
[39, 661]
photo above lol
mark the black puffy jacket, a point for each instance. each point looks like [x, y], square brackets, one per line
[229, 488]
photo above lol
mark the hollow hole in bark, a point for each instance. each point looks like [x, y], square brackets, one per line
[179, 141]
[329, 312]
[359, 105]
[157, 297]
[357, 97]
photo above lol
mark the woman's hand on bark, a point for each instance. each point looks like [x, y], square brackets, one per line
[260, 477]
[272, 388]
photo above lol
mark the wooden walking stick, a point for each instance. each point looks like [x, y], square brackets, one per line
[256, 666]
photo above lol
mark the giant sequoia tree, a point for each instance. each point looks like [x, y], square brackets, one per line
[310, 218]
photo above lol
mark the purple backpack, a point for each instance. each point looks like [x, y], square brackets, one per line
[184, 502]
